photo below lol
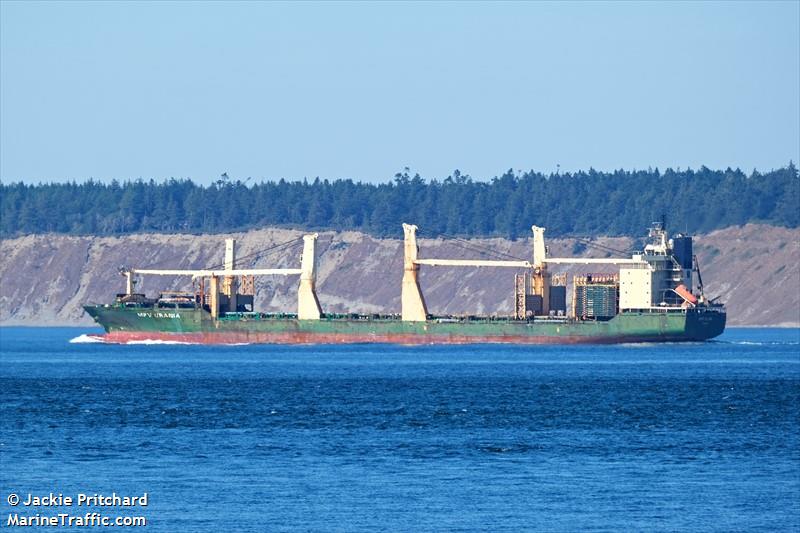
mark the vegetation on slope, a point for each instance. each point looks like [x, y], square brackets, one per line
[610, 203]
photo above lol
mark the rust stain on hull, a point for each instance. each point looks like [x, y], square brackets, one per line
[118, 337]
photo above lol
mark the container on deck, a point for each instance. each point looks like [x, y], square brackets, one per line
[558, 298]
[533, 302]
[595, 301]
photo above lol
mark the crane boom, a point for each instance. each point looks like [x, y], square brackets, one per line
[590, 261]
[473, 263]
[526, 264]
[209, 273]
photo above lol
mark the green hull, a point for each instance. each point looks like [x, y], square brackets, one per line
[194, 325]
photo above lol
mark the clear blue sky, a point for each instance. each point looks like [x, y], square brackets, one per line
[361, 90]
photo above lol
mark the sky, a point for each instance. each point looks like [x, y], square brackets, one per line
[129, 90]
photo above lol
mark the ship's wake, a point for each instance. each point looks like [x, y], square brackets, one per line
[102, 339]
[762, 343]
[86, 339]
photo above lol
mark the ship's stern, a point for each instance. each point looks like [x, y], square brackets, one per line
[704, 323]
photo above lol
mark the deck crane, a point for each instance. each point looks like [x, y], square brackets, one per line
[224, 282]
[414, 308]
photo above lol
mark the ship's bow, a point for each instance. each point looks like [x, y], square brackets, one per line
[95, 311]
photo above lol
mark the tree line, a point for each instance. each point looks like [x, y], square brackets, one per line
[581, 203]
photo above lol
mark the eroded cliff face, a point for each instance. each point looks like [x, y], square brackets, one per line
[46, 278]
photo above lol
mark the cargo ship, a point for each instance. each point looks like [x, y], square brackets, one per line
[651, 298]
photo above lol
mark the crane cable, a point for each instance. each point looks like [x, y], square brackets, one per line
[472, 246]
[273, 248]
[475, 247]
[603, 247]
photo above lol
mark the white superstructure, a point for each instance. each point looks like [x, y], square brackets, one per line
[653, 281]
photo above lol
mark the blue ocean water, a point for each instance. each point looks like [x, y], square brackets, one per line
[675, 437]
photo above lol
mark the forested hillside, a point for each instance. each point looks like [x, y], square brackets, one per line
[616, 203]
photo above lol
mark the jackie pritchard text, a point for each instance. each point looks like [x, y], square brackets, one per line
[80, 500]
[31, 506]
